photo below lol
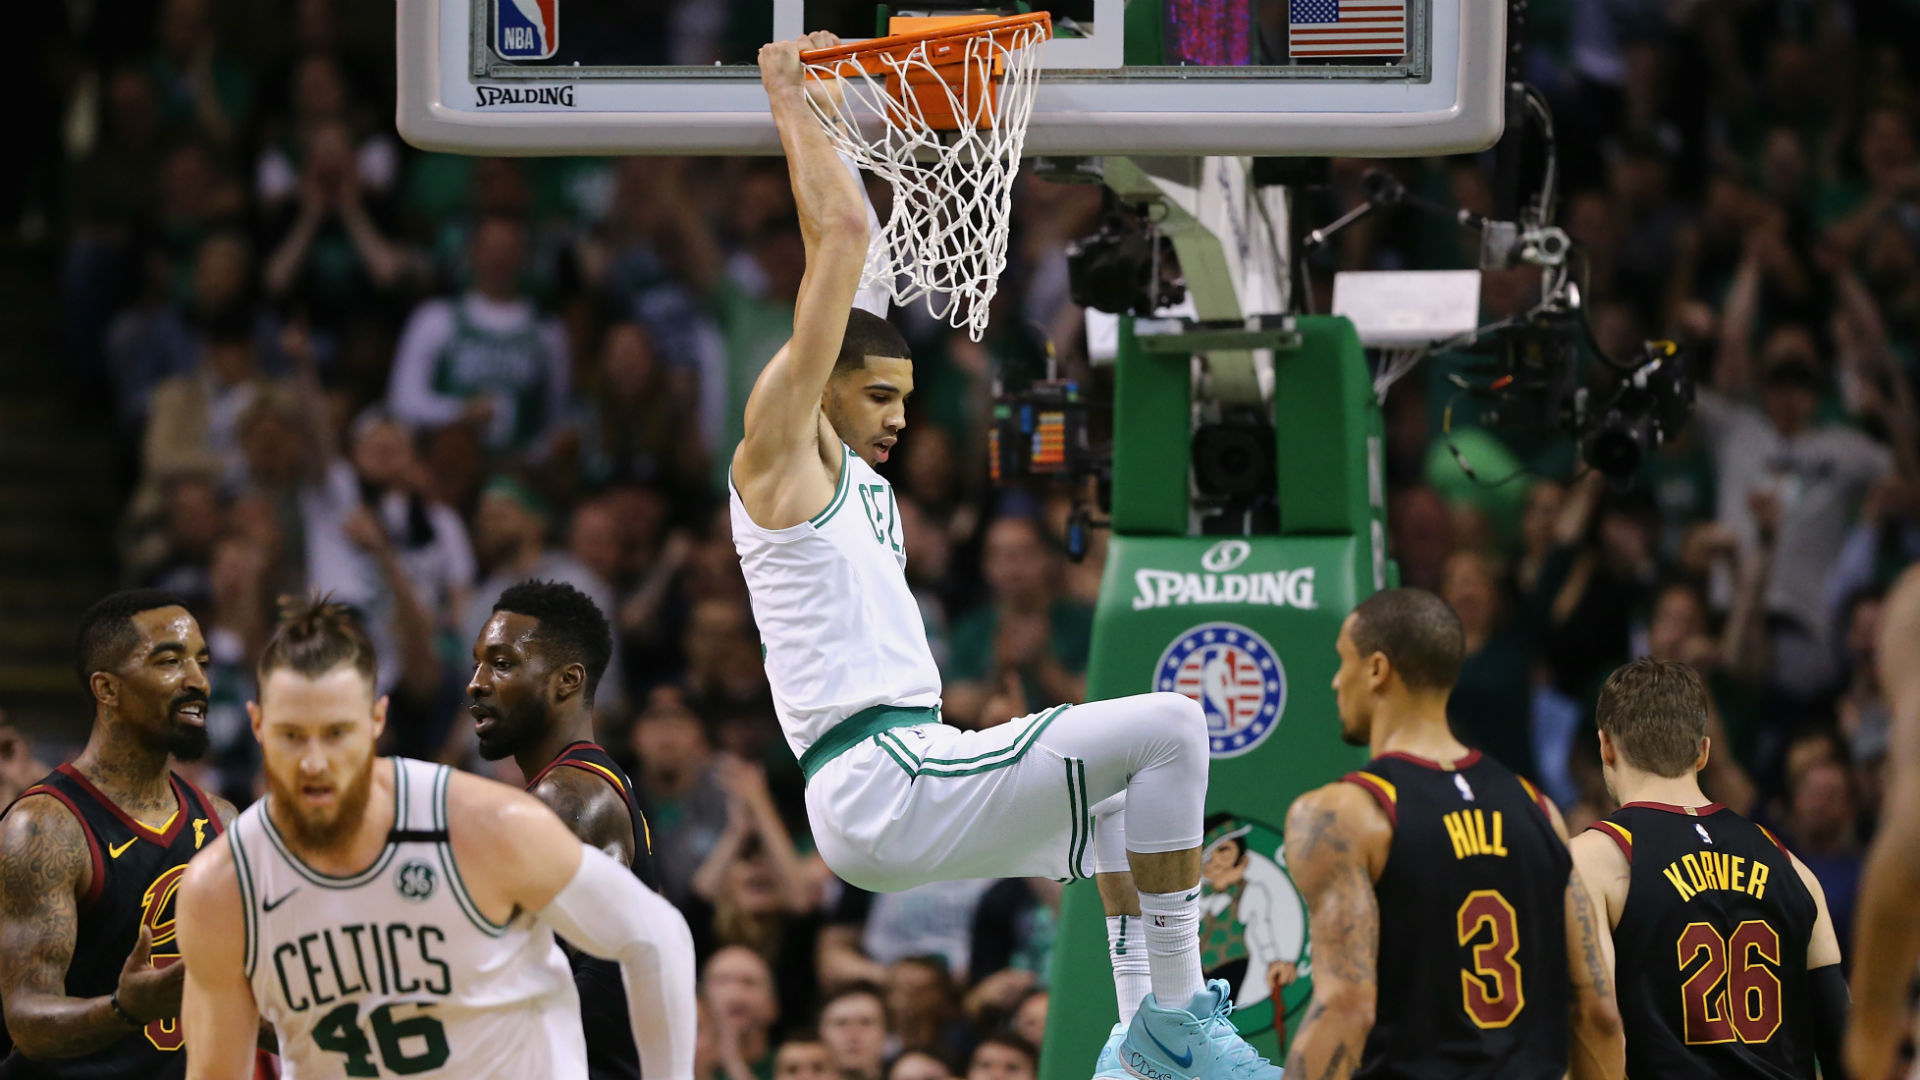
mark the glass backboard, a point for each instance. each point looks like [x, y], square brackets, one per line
[1140, 77]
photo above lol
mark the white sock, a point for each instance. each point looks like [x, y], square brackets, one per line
[1127, 948]
[1173, 945]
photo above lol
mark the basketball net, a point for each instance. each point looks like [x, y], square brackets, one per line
[941, 117]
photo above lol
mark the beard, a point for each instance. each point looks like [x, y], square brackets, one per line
[1354, 736]
[511, 729]
[188, 742]
[325, 831]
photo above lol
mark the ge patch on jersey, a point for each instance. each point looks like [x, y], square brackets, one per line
[526, 29]
[414, 880]
[1235, 676]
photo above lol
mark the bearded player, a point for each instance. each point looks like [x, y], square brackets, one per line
[91, 856]
[1451, 938]
[1726, 957]
[536, 667]
[897, 798]
[395, 917]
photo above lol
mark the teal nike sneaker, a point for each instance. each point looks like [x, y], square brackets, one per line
[1107, 1066]
[1194, 1043]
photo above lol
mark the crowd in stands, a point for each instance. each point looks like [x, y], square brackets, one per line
[413, 380]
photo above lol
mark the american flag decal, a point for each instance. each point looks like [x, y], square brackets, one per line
[1346, 28]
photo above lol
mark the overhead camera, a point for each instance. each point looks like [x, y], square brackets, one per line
[1126, 267]
[1650, 406]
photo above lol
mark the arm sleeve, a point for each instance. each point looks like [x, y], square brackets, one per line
[1827, 987]
[604, 911]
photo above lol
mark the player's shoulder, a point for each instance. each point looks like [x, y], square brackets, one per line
[487, 810]
[43, 844]
[1350, 808]
[210, 874]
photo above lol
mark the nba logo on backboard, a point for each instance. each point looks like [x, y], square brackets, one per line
[526, 29]
[1235, 676]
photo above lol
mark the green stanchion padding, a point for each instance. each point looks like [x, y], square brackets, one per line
[1246, 626]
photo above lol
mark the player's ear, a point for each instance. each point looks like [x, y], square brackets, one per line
[1706, 753]
[569, 680]
[1378, 670]
[1609, 753]
[105, 687]
[379, 716]
[253, 718]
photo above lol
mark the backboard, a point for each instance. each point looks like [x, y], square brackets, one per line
[1139, 77]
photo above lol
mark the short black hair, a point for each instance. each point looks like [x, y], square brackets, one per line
[572, 626]
[107, 635]
[859, 988]
[868, 335]
[1418, 634]
[1012, 1042]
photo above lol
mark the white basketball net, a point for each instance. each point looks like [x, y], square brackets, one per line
[945, 237]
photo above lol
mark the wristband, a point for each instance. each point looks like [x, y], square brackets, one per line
[113, 1001]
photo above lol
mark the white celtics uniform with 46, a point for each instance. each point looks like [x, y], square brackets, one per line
[394, 971]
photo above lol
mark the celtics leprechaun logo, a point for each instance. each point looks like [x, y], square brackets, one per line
[1253, 923]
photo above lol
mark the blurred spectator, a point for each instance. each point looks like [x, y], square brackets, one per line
[1491, 701]
[919, 1065]
[1026, 648]
[20, 769]
[376, 540]
[1030, 1017]
[925, 1007]
[199, 83]
[1817, 471]
[175, 556]
[804, 1056]
[334, 257]
[1004, 1056]
[486, 357]
[854, 1027]
[866, 931]
[752, 889]
[686, 807]
[195, 421]
[724, 676]
[739, 986]
[1593, 583]
[1820, 829]
[1013, 935]
[640, 424]
[1420, 534]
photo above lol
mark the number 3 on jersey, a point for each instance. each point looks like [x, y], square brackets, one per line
[1490, 991]
[883, 513]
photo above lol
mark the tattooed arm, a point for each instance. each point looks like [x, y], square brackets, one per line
[224, 809]
[44, 871]
[591, 809]
[1599, 1047]
[1337, 840]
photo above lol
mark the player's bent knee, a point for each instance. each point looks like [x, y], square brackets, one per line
[1186, 720]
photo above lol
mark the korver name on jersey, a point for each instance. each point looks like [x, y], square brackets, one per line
[385, 958]
[1698, 872]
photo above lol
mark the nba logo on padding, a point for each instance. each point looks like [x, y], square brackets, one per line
[526, 29]
[1235, 676]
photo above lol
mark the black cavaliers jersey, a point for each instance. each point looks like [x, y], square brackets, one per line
[136, 874]
[1473, 940]
[611, 1054]
[1710, 956]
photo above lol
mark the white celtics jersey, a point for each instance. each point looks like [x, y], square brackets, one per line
[394, 971]
[841, 629]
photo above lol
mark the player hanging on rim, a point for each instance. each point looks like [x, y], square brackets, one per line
[90, 857]
[536, 667]
[395, 917]
[896, 798]
[1451, 938]
[1756, 990]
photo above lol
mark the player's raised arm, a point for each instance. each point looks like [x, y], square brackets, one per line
[522, 854]
[1887, 938]
[783, 412]
[1337, 841]
[218, 1015]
